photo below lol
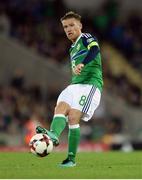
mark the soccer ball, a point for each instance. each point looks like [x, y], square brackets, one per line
[41, 145]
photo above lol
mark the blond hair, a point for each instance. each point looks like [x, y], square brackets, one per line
[71, 14]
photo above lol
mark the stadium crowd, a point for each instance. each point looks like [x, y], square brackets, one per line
[20, 104]
[24, 107]
[36, 23]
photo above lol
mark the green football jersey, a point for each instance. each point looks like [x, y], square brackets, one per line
[91, 72]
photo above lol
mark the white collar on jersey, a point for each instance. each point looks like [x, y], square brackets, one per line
[76, 40]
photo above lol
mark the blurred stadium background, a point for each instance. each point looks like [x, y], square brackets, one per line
[34, 68]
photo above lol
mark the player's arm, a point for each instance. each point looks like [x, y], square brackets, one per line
[93, 50]
[91, 55]
[77, 70]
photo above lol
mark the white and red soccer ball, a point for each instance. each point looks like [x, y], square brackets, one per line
[41, 145]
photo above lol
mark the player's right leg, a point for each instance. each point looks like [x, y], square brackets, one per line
[53, 137]
[58, 123]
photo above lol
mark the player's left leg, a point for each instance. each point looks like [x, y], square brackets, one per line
[73, 137]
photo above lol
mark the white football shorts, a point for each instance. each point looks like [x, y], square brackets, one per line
[83, 97]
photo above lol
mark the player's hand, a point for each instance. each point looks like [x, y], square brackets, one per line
[77, 70]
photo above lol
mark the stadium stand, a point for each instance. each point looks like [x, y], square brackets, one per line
[32, 26]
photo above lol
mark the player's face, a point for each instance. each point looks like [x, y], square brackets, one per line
[72, 28]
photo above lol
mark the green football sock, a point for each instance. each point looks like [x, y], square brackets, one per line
[73, 141]
[58, 124]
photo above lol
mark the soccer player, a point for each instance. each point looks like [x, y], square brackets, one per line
[79, 100]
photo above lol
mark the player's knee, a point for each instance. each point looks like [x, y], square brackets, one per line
[62, 108]
[73, 119]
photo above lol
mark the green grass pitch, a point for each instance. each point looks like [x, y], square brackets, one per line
[90, 165]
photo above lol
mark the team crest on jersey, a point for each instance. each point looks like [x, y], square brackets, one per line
[78, 47]
[90, 40]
